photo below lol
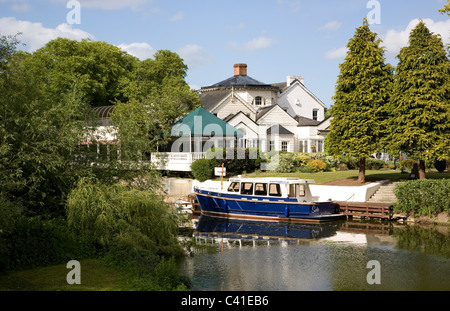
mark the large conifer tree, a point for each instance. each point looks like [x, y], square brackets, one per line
[362, 92]
[420, 108]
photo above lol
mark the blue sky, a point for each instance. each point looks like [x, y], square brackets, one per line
[276, 38]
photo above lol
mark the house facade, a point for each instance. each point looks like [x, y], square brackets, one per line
[282, 116]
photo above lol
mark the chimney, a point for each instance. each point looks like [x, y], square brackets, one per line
[291, 79]
[240, 69]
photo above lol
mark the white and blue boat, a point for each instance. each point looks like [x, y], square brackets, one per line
[272, 199]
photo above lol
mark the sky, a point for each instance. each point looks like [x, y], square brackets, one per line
[275, 38]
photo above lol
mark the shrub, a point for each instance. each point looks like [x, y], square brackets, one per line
[331, 161]
[351, 162]
[407, 164]
[302, 159]
[317, 165]
[286, 163]
[374, 164]
[119, 216]
[342, 167]
[236, 160]
[34, 242]
[423, 197]
[440, 165]
[202, 169]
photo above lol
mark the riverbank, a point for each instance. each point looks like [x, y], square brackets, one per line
[343, 185]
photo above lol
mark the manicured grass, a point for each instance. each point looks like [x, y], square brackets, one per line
[371, 175]
[95, 276]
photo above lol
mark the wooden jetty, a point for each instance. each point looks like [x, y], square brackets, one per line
[366, 209]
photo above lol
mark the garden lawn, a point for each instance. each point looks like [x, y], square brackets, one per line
[371, 175]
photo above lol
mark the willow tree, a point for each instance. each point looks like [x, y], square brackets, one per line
[420, 107]
[362, 92]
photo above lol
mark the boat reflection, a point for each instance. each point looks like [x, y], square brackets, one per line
[246, 229]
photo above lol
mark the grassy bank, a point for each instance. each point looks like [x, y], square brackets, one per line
[95, 276]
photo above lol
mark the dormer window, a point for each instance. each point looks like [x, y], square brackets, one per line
[315, 114]
[258, 101]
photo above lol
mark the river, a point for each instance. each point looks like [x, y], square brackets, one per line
[235, 255]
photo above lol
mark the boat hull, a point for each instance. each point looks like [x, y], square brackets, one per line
[270, 209]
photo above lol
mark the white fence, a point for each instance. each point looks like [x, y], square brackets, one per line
[175, 161]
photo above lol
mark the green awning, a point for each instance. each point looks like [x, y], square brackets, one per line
[200, 122]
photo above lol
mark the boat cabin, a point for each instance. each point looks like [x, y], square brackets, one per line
[271, 187]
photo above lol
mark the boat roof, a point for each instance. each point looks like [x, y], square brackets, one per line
[281, 180]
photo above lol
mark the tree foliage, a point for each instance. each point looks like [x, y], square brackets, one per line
[158, 95]
[99, 69]
[37, 133]
[362, 92]
[122, 217]
[419, 120]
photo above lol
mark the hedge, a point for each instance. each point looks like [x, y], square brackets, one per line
[427, 197]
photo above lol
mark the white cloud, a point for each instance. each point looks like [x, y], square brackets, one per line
[333, 25]
[177, 17]
[255, 44]
[336, 53]
[35, 35]
[141, 50]
[194, 55]
[109, 4]
[394, 40]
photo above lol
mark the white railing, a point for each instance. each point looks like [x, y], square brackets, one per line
[175, 161]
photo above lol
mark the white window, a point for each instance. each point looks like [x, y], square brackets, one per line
[303, 146]
[271, 145]
[315, 114]
[258, 101]
[284, 145]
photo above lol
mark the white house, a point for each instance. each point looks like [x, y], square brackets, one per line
[282, 116]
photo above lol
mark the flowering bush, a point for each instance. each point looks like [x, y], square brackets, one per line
[317, 165]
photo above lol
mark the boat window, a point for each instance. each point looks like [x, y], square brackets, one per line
[275, 190]
[260, 189]
[292, 190]
[302, 190]
[234, 187]
[247, 188]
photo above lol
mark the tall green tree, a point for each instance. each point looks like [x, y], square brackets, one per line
[158, 95]
[362, 92]
[420, 107]
[37, 134]
[99, 69]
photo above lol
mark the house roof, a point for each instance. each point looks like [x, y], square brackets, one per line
[304, 121]
[209, 100]
[209, 123]
[240, 81]
[279, 129]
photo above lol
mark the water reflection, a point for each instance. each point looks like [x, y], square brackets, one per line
[251, 255]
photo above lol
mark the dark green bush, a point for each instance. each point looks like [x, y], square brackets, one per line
[202, 169]
[34, 242]
[426, 197]
[407, 164]
[374, 164]
[440, 165]
[235, 160]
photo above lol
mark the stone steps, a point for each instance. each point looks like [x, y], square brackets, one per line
[385, 194]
